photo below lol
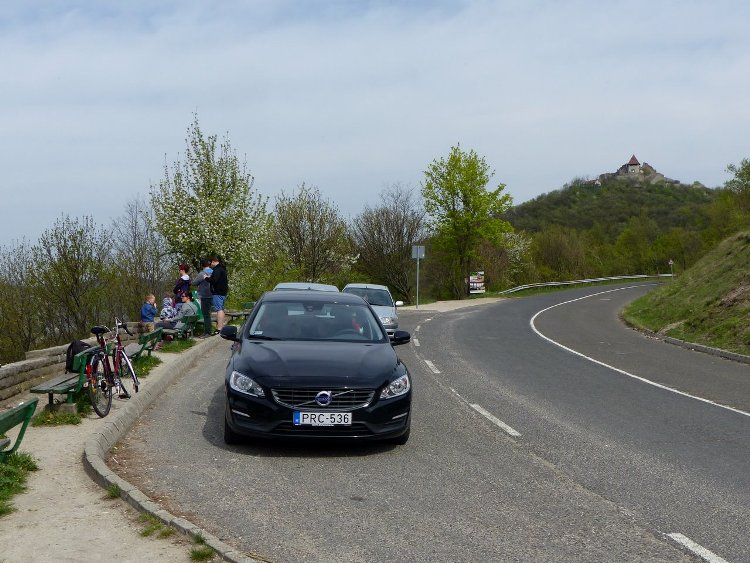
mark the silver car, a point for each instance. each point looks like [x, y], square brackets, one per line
[296, 286]
[381, 301]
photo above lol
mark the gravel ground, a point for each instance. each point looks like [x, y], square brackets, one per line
[65, 516]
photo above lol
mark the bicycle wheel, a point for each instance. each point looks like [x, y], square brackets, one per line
[127, 371]
[99, 390]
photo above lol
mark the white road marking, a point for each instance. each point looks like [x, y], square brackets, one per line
[697, 549]
[417, 329]
[618, 370]
[496, 421]
[416, 341]
[428, 320]
[432, 366]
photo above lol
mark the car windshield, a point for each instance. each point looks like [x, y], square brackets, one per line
[376, 297]
[297, 320]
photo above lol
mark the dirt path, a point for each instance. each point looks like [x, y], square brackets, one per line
[65, 516]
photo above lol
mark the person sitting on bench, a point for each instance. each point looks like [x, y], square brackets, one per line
[188, 308]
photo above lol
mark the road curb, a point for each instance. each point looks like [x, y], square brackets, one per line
[114, 427]
[706, 349]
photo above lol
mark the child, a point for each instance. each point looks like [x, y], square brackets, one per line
[167, 311]
[148, 311]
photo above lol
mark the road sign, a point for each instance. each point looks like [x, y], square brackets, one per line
[418, 253]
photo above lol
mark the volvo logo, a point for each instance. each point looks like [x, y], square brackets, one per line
[323, 398]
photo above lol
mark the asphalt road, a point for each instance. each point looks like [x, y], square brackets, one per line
[604, 466]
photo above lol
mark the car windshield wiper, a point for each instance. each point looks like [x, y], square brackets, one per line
[260, 337]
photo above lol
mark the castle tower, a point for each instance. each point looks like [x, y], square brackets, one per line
[634, 167]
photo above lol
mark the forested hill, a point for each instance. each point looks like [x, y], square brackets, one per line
[610, 205]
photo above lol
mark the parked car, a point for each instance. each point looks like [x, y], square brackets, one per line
[285, 286]
[381, 300]
[315, 364]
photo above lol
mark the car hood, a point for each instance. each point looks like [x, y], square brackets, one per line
[384, 311]
[300, 363]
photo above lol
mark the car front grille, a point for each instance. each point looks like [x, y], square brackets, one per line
[356, 429]
[341, 399]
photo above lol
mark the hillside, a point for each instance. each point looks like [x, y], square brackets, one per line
[708, 304]
[611, 201]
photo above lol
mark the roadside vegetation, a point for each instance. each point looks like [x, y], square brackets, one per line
[13, 475]
[708, 304]
[54, 289]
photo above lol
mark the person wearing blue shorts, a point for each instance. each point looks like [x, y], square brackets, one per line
[219, 289]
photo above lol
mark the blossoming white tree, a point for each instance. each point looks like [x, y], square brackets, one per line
[206, 205]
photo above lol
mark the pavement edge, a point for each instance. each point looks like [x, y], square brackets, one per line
[115, 426]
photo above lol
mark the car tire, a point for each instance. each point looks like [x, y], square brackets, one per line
[231, 438]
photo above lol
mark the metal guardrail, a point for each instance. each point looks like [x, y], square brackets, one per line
[575, 282]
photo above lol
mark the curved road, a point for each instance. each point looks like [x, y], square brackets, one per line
[520, 450]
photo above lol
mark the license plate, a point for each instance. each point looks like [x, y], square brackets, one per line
[306, 418]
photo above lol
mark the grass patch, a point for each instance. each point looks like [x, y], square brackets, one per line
[55, 418]
[144, 364]
[199, 539]
[154, 526]
[708, 304]
[166, 532]
[114, 491]
[178, 345]
[201, 553]
[13, 474]
[83, 404]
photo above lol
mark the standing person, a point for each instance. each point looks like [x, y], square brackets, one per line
[202, 282]
[219, 287]
[182, 285]
[149, 310]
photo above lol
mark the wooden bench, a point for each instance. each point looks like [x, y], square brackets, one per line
[146, 343]
[68, 384]
[187, 329]
[20, 414]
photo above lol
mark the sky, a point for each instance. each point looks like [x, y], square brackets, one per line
[355, 96]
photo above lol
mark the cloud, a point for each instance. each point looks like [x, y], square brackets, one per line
[351, 96]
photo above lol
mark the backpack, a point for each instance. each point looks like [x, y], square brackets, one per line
[74, 348]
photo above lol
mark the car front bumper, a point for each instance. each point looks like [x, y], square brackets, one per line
[263, 418]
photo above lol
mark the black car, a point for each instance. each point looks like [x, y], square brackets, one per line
[319, 365]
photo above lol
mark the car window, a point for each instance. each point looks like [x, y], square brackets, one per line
[376, 297]
[296, 320]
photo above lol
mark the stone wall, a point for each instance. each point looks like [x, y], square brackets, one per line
[41, 365]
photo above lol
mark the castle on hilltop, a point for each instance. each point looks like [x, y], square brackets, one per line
[636, 172]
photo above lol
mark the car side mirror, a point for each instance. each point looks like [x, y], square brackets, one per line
[399, 303]
[229, 332]
[400, 337]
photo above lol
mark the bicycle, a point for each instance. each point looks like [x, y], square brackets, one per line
[101, 376]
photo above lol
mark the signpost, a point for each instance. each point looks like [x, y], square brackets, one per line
[417, 252]
[671, 267]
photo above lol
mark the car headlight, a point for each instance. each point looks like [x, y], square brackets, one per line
[397, 387]
[244, 384]
[387, 320]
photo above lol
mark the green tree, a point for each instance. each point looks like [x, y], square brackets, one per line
[635, 246]
[206, 204]
[560, 254]
[384, 235]
[310, 232]
[463, 212]
[141, 255]
[740, 183]
[74, 278]
[20, 310]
